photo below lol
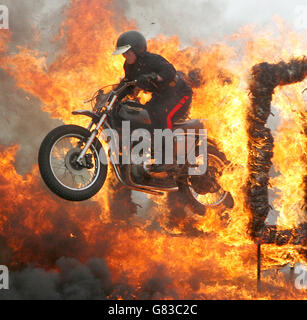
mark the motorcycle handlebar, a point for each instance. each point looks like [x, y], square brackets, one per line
[125, 85]
[131, 83]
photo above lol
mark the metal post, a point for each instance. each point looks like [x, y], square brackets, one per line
[259, 266]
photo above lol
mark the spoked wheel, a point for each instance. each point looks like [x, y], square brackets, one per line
[204, 191]
[60, 170]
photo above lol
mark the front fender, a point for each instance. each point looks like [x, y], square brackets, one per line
[87, 113]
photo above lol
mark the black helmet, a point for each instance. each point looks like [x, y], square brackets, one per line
[131, 40]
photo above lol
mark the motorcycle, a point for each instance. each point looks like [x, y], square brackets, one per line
[74, 164]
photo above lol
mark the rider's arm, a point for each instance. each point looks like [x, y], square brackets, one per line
[128, 90]
[165, 70]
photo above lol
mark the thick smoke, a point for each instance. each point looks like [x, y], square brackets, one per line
[72, 281]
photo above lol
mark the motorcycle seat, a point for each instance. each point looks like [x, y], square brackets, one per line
[190, 124]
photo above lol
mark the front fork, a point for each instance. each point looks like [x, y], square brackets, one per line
[95, 131]
[88, 144]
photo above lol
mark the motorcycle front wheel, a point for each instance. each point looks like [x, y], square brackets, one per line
[60, 170]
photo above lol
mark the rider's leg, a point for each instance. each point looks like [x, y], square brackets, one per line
[178, 111]
[163, 113]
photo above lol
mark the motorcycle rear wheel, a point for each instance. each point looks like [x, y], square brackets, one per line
[214, 197]
[59, 169]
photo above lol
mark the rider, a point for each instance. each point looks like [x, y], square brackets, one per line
[171, 95]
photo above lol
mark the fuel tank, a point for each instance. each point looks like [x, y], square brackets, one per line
[133, 111]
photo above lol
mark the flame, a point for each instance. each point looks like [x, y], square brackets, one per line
[290, 156]
[213, 258]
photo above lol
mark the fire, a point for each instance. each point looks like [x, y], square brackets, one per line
[186, 256]
[290, 157]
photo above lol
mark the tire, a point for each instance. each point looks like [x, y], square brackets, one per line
[51, 166]
[186, 191]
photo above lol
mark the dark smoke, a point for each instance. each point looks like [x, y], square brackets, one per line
[72, 281]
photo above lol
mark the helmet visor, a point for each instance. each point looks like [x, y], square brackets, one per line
[121, 50]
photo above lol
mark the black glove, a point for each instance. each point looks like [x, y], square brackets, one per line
[147, 79]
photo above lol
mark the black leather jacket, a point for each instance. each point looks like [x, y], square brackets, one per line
[148, 62]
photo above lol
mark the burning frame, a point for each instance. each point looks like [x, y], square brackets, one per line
[264, 79]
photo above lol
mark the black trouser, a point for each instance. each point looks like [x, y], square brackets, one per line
[164, 111]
